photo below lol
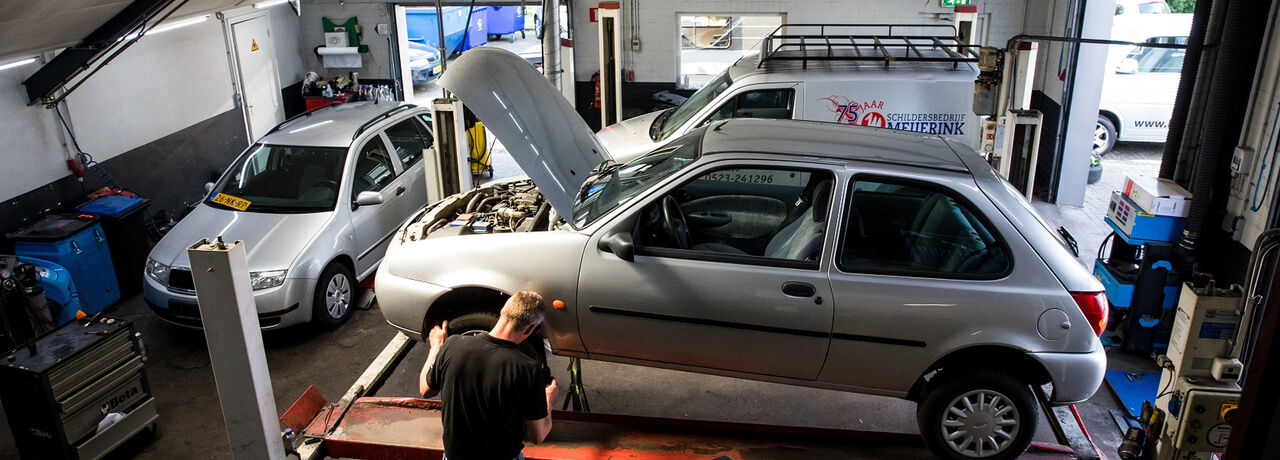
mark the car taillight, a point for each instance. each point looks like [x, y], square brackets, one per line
[1094, 306]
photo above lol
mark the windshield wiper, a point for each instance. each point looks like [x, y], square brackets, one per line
[1071, 241]
[661, 119]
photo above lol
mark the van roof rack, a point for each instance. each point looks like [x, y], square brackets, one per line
[866, 42]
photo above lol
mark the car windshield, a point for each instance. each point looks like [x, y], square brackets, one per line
[674, 119]
[281, 179]
[612, 184]
[1164, 60]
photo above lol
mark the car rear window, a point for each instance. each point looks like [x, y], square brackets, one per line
[907, 228]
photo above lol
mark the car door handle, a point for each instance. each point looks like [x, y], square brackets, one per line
[400, 190]
[798, 289]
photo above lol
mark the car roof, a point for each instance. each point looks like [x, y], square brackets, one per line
[333, 126]
[831, 140]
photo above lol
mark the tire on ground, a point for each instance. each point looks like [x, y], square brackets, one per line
[945, 390]
[1105, 123]
[320, 315]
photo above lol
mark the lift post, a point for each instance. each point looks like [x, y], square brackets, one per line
[449, 170]
[610, 34]
[229, 318]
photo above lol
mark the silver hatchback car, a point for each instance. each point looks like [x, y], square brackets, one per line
[315, 201]
[857, 259]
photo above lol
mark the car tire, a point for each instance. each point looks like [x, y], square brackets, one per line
[983, 399]
[334, 297]
[1104, 136]
[476, 322]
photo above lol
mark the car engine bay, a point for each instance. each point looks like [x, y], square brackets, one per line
[504, 207]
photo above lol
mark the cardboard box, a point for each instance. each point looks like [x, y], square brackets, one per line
[1137, 224]
[1161, 197]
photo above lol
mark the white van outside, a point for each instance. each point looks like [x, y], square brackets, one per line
[933, 94]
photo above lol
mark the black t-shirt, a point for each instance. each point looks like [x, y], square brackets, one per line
[489, 389]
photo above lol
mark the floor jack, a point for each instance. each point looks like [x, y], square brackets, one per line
[363, 426]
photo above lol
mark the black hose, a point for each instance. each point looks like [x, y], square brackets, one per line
[436, 225]
[486, 201]
[1232, 72]
[1186, 87]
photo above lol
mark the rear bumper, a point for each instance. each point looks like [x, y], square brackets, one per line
[1076, 376]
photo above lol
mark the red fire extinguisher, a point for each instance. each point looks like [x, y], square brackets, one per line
[595, 82]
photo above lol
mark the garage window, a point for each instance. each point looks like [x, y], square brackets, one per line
[917, 229]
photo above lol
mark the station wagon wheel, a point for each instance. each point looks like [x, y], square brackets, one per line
[977, 414]
[335, 291]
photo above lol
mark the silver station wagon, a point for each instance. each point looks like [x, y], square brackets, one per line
[815, 254]
[315, 201]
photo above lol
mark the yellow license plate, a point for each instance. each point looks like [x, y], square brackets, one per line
[240, 204]
[437, 69]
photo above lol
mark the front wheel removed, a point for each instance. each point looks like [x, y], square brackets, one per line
[977, 415]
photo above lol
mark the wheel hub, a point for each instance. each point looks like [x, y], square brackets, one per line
[980, 423]
[337, 296]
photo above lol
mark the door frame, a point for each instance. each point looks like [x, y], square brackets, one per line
[229, 19]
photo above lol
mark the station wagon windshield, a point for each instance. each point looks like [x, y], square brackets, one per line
[613, 184]
[667, 125]
[282, 179]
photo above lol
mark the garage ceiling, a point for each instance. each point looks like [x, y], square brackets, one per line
[30, 27]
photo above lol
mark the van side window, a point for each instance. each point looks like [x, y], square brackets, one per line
[763, 103]
[906, 228]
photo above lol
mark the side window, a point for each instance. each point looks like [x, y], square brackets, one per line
[920, 230]
[770, 213]
[408, 139]
[764, 103]
[373, 168]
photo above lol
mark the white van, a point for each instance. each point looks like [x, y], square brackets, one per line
[1141, 83]
[908, 82]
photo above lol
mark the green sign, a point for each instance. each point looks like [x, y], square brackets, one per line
[950, 3]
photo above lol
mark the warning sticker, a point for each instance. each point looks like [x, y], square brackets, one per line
[236, 203]
[253, 45]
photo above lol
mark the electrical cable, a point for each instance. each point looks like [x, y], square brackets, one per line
[1254, 204]
[86, 160]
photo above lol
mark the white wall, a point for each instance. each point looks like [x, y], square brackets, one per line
[377, 62]
[1255, 189]
[162, 84]
[657, 21]
[32, 154]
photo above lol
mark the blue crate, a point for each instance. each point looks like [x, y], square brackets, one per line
[79, 245]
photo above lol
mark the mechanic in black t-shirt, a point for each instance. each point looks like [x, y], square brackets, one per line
[493, 394]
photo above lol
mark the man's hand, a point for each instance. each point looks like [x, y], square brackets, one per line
[552, 391]
[437, 334]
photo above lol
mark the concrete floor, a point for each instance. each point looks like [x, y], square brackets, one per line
[191, 424]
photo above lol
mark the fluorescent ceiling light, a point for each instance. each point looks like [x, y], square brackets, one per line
[169, 26]
[17, 63]
[270, 3]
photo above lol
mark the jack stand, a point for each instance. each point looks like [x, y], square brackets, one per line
[577, 396]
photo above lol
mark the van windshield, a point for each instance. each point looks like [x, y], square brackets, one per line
[281, 179]
[668, 125]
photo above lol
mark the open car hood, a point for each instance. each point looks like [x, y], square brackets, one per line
[545, 135]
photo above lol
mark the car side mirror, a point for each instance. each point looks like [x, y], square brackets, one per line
[620, 244]
[1127, 66]
[208, 187]
[368, 198]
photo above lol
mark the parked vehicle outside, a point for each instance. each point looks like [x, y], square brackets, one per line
[815, 254]
[1141, 83]
[315, 202]
[424, 62]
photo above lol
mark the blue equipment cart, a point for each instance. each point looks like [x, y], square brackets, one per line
[78, 244]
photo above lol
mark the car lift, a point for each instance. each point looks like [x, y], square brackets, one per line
[363, 426]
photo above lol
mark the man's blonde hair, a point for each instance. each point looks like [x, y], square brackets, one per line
[524, 309]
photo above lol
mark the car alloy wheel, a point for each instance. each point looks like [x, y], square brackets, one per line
[337, 296]
[1104, 136]
[981, 423]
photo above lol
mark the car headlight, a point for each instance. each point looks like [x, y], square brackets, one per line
[266, 279]
[157, 271]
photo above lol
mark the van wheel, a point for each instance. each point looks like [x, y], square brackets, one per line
[478, 322]
[977, 414]
[335, 292]
[1104, 136]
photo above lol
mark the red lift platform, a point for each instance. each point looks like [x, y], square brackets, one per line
[396, 428]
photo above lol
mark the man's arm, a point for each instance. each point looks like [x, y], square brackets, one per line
[535, 431]
[436, 339]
